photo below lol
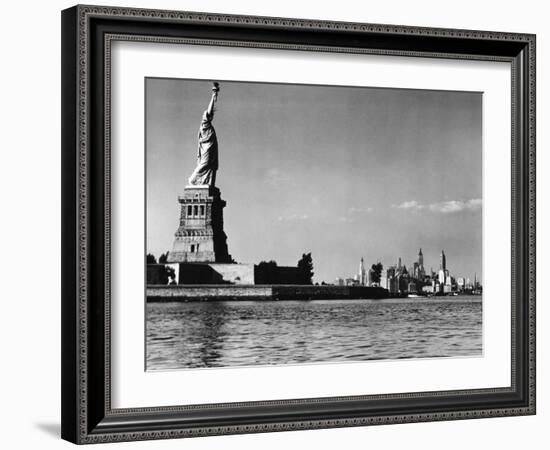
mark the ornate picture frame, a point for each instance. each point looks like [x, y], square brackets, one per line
[88, 33]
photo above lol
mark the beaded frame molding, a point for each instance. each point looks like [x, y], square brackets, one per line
[87, 35]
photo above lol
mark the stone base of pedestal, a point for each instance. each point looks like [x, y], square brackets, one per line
[200, 237]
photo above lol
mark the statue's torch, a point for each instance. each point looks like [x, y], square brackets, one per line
[215, 89]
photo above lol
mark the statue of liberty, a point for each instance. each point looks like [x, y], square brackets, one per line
[207, 154]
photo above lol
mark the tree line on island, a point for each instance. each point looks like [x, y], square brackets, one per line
[266, 272]
[163, 259]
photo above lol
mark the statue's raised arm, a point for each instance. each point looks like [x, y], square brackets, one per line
[212, 105]
[207, 152]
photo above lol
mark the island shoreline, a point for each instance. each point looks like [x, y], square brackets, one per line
[190, 293]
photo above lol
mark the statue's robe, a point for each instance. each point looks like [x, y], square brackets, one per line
[207, 155]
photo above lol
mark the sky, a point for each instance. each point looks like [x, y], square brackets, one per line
[341, 172]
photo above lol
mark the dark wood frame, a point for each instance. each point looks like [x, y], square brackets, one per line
[87, 32]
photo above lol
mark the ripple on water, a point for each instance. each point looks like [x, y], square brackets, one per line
[191, 335]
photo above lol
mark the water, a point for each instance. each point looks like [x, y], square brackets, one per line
[221, 334]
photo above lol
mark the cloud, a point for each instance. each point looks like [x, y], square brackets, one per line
[454, 206]
[412, 204]
[445, 207]
[354, 210]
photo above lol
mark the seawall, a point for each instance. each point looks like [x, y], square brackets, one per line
[189, 293]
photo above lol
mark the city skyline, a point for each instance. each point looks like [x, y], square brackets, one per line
[430, 268]
[400, 278]
[340, 172]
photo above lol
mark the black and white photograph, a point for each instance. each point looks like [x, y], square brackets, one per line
[275, 225]
[300, 224]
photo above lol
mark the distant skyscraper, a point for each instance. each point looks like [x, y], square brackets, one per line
[419, 271]
[441, 277]
[444, 277]
[389, 280]
[361, 272]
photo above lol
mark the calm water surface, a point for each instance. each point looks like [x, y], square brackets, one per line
[220, 334]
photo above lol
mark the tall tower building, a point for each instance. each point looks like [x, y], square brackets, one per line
[443, 272]
[361, 272]
[420, 272]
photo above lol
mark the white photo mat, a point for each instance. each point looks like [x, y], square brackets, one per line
[132, 386]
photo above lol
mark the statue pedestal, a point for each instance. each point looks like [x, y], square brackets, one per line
[200, 237]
